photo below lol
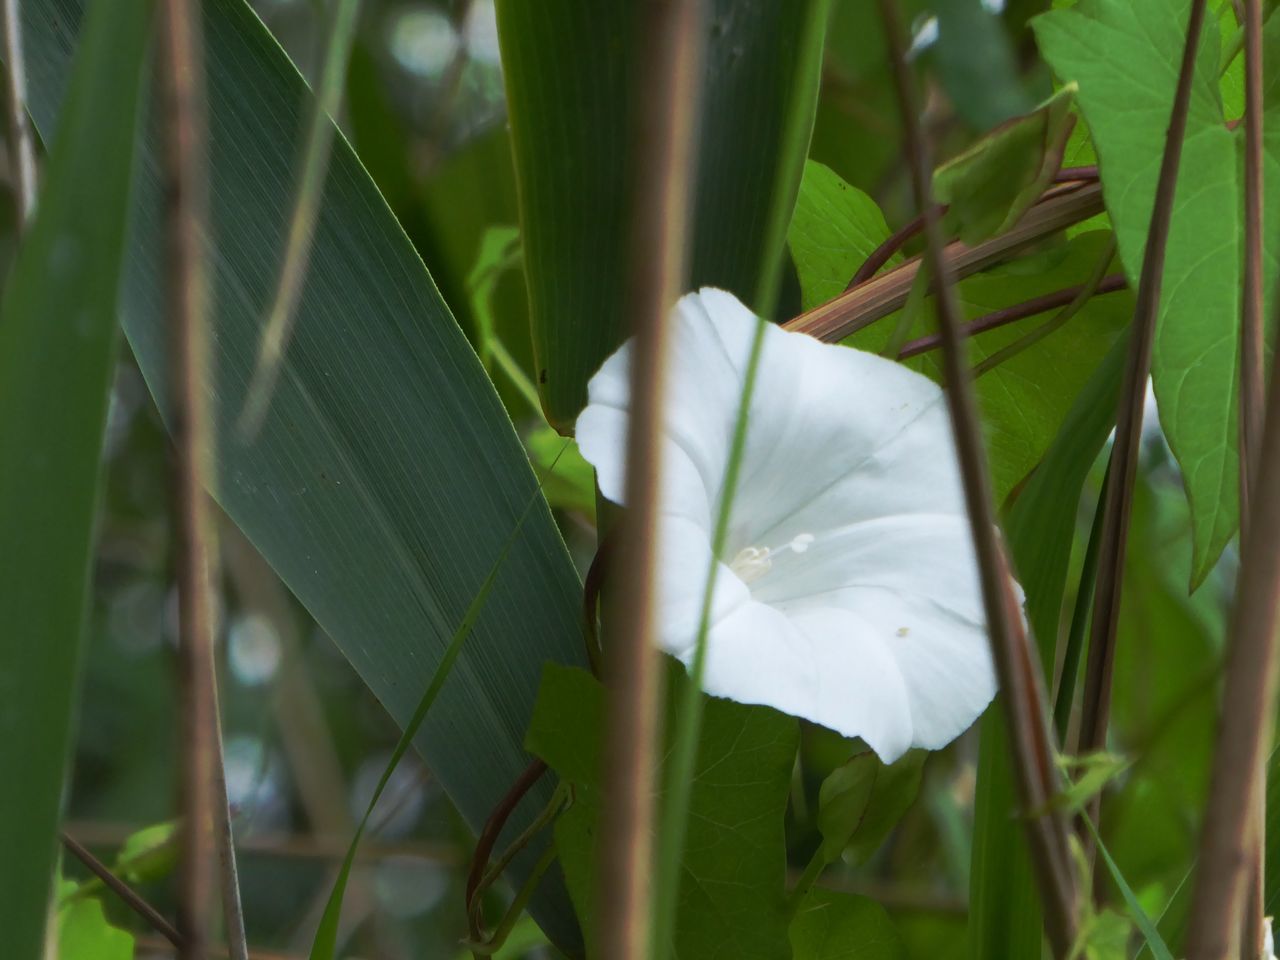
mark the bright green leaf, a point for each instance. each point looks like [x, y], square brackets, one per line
[148, 853]
[1125, 54]
[835, 228]
[85, 934]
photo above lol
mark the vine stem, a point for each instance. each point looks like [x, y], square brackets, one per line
[128, 896]
[206, 835]
[1015, 312]
[1227, 851]
[1096, 703]
[488, 838]
[22, 153]
[882, 295]
[1020, 678]
[1252, 395]
[670, 68]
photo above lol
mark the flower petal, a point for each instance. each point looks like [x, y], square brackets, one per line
[703, 389]
[913, 579]
[921, 558]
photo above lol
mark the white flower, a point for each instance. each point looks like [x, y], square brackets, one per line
[1268, 940]
[848, 591]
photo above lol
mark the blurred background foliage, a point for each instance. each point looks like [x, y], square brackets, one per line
[305, 739]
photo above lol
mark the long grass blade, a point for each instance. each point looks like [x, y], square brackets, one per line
[1022, 686]
[325, 944]
[1155, 943]
[58, 336]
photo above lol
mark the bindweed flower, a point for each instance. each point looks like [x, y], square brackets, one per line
[847, 592]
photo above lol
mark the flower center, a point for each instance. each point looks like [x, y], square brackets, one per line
[752, 563]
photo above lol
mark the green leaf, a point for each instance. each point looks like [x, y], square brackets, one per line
[573, 484]
[994, 182]
[387, 475]
[1087, 776]
[1042, 520]
[1104, 935]
[58, 337]
[565, 728]
[840, 926]
[733, 901]
[1154, 941]
[326, 938]
[835, 228]
[570, 67]
[148, 853]
[1004, 907]
[862, 800]
[84, 934]
[977, 64]
[1125, 54]
[1004, 902]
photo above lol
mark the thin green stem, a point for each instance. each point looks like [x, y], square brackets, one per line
[812, 871]
[522, 898]
[1087, 291]
[558, 798]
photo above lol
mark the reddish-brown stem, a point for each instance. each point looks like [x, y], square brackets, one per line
[1227, 841]
[1096, 701]
[128, 896]
[882, 295]
[891, 245]
[1068, 174]
[900, 237]
[181, 85]
[489, 837]
[1015, 312]
[1020, 680]
[1252, 398]
[671, 32]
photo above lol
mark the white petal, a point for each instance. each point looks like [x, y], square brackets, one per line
[702, 390]
[914, 580]
[862, 438]
[685, 551]
[821, 665]
[922, 558]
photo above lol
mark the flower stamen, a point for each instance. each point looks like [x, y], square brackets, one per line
[752, 563]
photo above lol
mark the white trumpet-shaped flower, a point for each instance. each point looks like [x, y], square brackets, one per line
[848, 590]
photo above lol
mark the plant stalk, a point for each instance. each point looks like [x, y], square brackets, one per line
[880, 296]
[670, 70]
[1228, 851]
[1096, 704]
[1030, 738]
